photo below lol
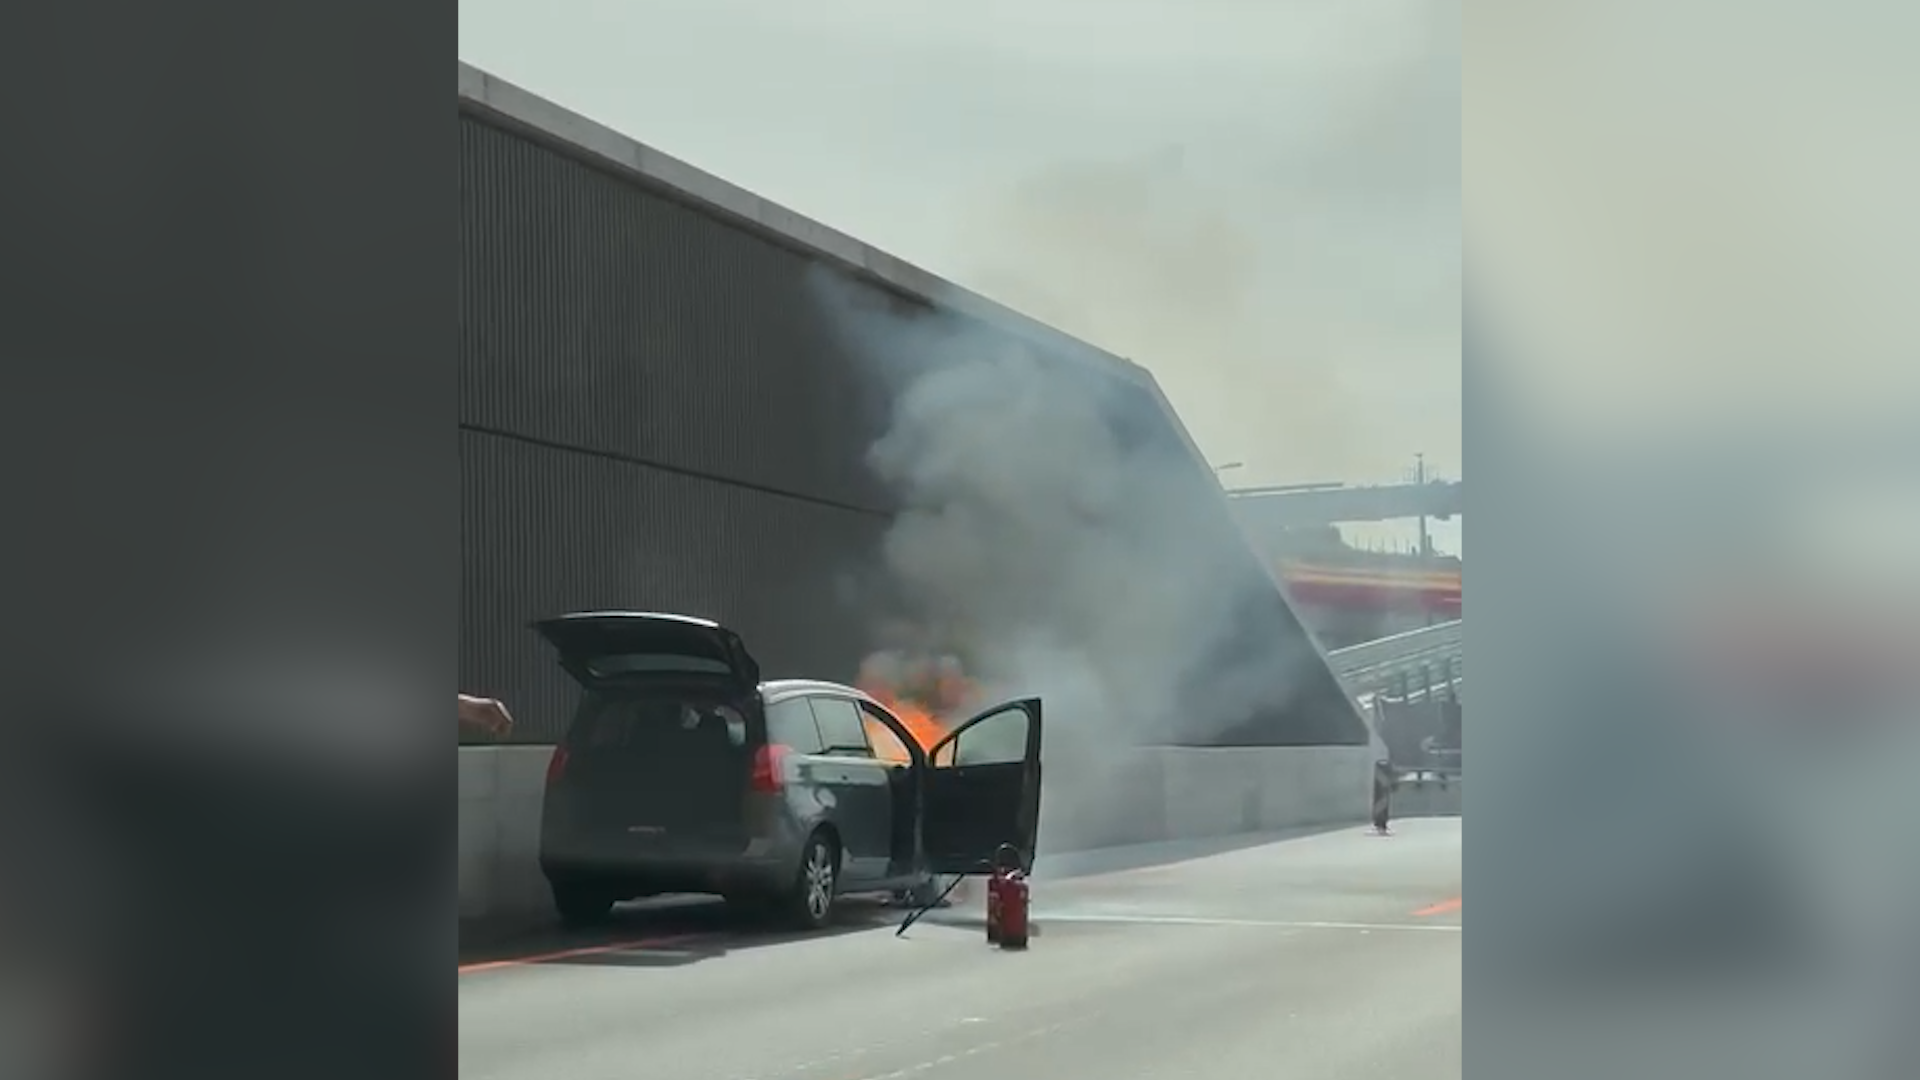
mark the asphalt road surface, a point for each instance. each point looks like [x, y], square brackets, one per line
[1333, 955]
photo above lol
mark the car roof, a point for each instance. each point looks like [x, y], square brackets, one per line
[780, 689]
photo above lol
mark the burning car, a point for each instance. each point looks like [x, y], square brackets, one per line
[924, 692]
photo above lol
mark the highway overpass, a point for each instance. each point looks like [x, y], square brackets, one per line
[1295, 507]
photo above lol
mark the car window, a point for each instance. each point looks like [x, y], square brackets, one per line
[652, 725]
[790, 723]
[841, 728]
[886, 745]
[999, 739]
[716, 717]
[655, 663]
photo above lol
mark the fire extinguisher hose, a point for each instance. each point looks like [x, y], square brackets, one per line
[914, 915]
[1006, 855]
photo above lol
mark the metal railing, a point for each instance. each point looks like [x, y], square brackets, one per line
[1409, 662]
[1421, 670]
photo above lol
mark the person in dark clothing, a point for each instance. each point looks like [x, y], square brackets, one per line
[1382, 795]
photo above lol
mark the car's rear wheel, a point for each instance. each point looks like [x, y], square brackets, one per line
[581, 904]
[809, 901]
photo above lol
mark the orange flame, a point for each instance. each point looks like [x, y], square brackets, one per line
[926, 729]
[939, 689]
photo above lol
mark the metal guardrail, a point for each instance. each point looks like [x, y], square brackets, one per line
[1422, 669]
[1414, 659]
[1415, 692]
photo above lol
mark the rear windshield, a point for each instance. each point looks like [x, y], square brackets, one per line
[654, 725]
[655, 663]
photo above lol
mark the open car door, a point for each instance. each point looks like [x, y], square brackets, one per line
[983, 790]
[603, 648]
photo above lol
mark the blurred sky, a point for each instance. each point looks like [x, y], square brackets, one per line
[1681, 257]
[1694, 230]
[1259, 200]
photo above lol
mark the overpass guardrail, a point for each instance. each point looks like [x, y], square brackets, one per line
[1404, 663]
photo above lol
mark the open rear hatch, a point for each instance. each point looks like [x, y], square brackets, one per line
[603, 649]
[661, 752]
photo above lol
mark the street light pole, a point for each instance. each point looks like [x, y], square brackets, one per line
[1420, 478]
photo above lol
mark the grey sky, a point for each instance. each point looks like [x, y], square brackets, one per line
[1257, 199]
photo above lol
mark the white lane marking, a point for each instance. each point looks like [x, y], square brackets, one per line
[1273, 924]
[971, 1051]
[842, 1058]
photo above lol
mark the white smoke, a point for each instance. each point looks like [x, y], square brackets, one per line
[1031, 522]
[1069, 544]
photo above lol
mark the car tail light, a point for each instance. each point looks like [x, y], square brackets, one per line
[768, 774]
[557, 765]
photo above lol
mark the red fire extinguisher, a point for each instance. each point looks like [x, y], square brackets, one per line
[1009, 901]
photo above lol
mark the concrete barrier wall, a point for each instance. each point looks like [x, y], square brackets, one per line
[500, 790]
[1205, 792]
[1427, 799]
[1135, 797]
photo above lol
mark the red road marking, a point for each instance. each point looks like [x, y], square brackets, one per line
[1440, 908]
[568, 954]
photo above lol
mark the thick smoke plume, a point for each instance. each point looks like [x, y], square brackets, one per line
[1058, 537]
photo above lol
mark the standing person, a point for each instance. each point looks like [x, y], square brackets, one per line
[486, 715]
[1382, 795]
